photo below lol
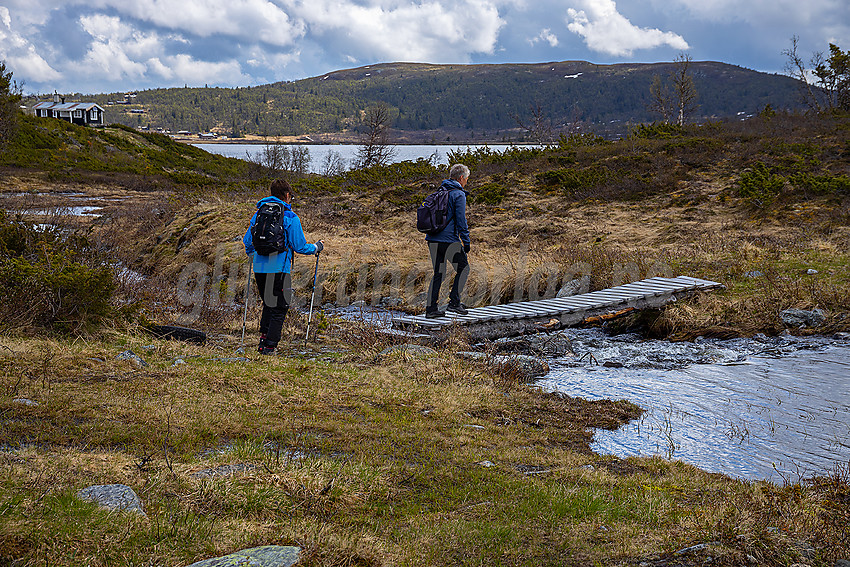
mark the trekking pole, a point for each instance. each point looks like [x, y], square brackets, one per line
[312, 297]
[247, 295]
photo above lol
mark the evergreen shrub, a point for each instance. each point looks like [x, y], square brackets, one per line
[759, 185]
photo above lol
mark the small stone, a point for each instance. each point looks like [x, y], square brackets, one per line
[132, 357]
[24, 401]
[113, 497]
[811, 272]
[178, 362]
[486, 464]
[753, 274]
[575, 287]
[842, 563]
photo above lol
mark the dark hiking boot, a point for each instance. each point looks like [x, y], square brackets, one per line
[436, 314]
[265, 348]
[460, 309]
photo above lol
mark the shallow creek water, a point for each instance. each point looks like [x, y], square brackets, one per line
[765, 408]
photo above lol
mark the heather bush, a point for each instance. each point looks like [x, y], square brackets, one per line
[51, 280]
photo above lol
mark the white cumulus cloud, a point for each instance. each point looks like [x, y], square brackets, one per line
[605, 30]
[254, 20]
[21, 55]
[545, 36]
[399, 30]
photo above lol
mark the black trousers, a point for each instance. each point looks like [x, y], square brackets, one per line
[276, 291]
[441, 254]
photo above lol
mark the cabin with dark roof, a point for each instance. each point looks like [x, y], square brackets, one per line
[83, 113]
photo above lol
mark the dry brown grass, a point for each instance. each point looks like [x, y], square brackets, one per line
[368, 462]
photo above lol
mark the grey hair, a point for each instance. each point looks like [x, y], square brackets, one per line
[457, 171]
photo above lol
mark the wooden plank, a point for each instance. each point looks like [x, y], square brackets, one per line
[644, 285]
[578, 301]
[608, 298]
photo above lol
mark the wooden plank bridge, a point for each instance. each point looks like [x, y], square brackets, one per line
[525, 316]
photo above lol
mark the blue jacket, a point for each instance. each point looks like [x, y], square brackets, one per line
[282, 262]
[457, 228]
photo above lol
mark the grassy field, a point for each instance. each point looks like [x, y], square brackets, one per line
[363, 458]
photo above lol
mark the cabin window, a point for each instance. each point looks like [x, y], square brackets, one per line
[78, 114]
[43, 113]
[94, 114]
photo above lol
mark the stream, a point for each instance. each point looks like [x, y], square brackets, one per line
[767, 408]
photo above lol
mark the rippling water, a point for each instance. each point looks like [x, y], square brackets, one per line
[775, 409]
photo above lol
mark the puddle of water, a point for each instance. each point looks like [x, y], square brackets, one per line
[80, 211]
[774, 409]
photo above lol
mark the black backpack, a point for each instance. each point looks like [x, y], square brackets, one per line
[268, 234]
[432, 216]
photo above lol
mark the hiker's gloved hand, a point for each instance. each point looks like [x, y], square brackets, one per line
[466, 246]
[320, 245]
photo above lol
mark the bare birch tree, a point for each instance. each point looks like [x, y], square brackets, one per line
[376, 148]
[539, 128]
[678, 97]
[684, 90]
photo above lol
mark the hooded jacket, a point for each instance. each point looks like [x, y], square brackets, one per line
[457, 228]
[279, 262]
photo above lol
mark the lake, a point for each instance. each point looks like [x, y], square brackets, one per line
[348, 152]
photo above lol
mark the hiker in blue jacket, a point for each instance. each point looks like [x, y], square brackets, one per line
[452, 244]
[272, 272]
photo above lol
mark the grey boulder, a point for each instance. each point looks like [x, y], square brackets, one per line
[799, 318]
[528, 367]
[114, 497]
[265, 556]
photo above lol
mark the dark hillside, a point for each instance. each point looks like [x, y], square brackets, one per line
[479, 100]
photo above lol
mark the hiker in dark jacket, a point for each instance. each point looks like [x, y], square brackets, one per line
[452, 244]
[272, 272]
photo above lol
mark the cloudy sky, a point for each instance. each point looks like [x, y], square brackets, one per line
[93, 46]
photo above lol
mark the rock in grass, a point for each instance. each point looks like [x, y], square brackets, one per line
[412, 350]
[114, 497]
[132, 357]
[574, 287]
[798, 318]
[528, 367]
[265, 556]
